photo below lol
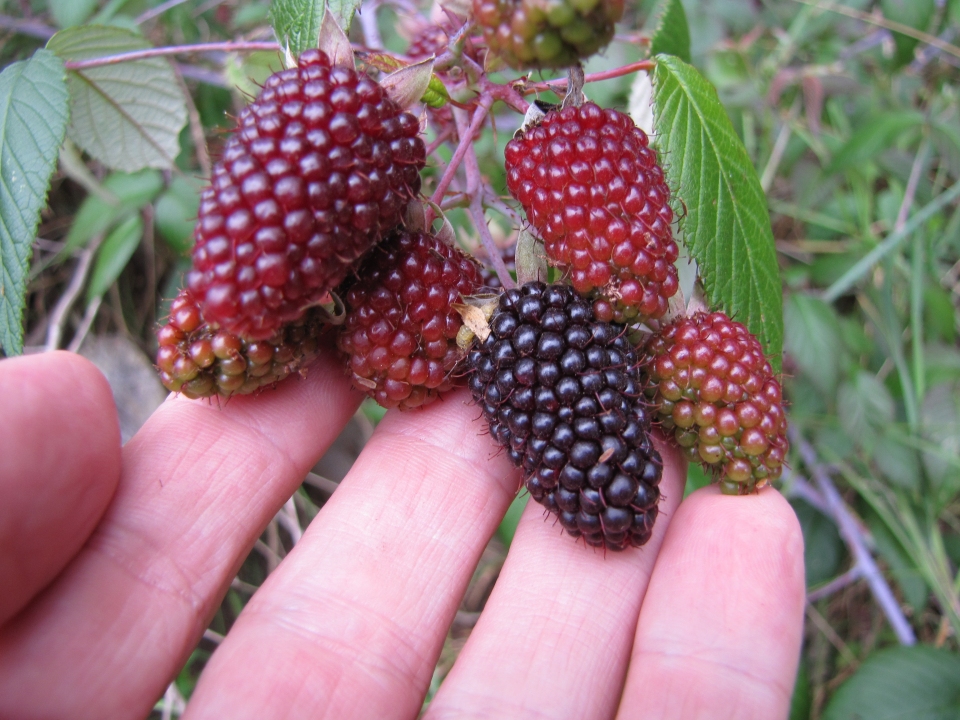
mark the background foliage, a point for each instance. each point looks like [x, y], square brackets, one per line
[847, 113]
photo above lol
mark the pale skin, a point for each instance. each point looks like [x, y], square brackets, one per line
[112, 562]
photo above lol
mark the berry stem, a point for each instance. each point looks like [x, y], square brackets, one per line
[466, 142]
[232, 46]
[480, 220]
[561, 83]
[853, 537]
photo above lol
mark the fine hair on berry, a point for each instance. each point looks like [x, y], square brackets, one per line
[319, 169]
[561, 392]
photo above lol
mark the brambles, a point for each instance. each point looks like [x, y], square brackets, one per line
[319, 169]
[592, 188]
[714, 390]
[561, 392]
[400, 330]
[535, 34]
[200, 361]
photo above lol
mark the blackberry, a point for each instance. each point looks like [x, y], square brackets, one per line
[715, 392]
[201, 361]
[320, 167]
[555, 34]
[400, 330]
[591, 186]
[561, 393]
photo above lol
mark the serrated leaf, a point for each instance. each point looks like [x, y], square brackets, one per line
[67, 13]
[727, 228]
[131, 190]
[877, 134]
[917, 682]
[113, 255]
[407, 85]
[127, 115]
[343, 11]
[670, 33]
[296, 23]
[33, 120]
[334, 42]
[813, 339]
[940, 421]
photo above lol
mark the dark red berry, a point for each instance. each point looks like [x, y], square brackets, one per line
[715, 392]
[400, 330]
[201, 361]
[320, 167]
[592, 188]
[561, 393]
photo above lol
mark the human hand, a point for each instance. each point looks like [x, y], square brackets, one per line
[113, 562]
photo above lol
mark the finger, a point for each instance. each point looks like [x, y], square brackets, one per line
[554, 638]
[352, 623]
[58, 470]
[198, 485]
[720, 631]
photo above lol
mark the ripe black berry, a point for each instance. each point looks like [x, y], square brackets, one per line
[580, 434]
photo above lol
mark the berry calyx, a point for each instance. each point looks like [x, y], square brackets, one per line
[200, 361]
[320, 167]
[562, 394]
[536, 34]
[401, 328]
[715, 392]
[592, 188]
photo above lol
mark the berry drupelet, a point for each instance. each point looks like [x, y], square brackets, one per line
[400, 330]
[561, 393]
[200, 361]
[592, 188]
[715, 392]
[320, 167]
[555, 34]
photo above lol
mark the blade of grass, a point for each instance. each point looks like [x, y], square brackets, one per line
[890, 243]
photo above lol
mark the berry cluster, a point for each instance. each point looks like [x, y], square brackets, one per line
[400, 329]
[561, 392]
[320, 168]
[200, 361]
[716, 393]
[591, 187]
[556, 34]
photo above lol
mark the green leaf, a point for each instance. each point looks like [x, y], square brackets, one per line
[508, 526]
[296, 23]
[813, 339]
[940, 423]
[671, 33]
[176, 213]
[822, 546]
[33, 120]
[918, 683]
[127, 115]
[914, 13]
[67, 13]
[897, 462]
[727, 228]
[96, 215]
[903, 569]
[878, 132]
[343, 11]
[864, 405]
[114, 254]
